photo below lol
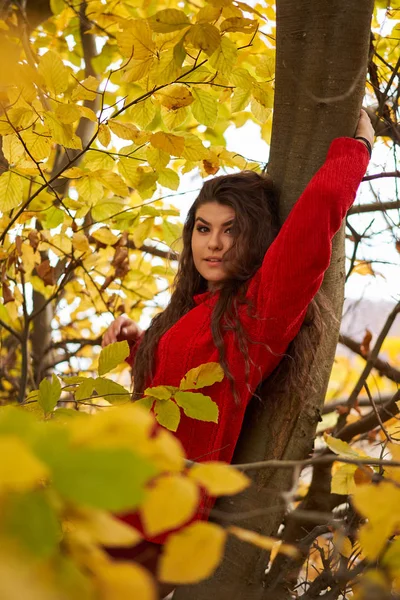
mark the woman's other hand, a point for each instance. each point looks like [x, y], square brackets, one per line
[121, 329]
[364, 128]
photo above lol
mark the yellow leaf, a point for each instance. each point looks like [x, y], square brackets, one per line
[197, 406]
[174, 118]
[54, 72]
[67, 113]
[208, 13]
[62, 133]
[86, 89]
[192, 554]
[260, 112]
[135, 40]
[363, 267]
[175, 96]
[125, 131]
[219, 479]
[342, 448]
[202, 376]
[264, 94]
[104, 135]
[80, 242]
[172, 144]
[11, 191]
[87, 113]
[113, 182]
[194, 149]
[171, 232]
[162, 392]
[205, 107]
[138, 69]
[379, 504]
[105, 236]
[123, 580]
[262, 541]
[170, 501]
[266, 65]
[169, 19]
[89, 189]
[142, 231]
[168, 178]
[240, 99]
[112, 355]
[13, 150]
[38, 145]
[168, 68]
[167, 414]
[20, 470]
[157, 158]
[224, 58]
[143, 112]
[204, 36]
[74, 173]
[104, 528]
[343, 479]
[239, 24]
[167, 452]
[266, 129]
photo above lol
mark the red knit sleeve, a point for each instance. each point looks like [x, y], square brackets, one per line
[295, 263]
[133, 349]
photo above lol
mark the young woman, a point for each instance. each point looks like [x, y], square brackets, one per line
[242, 290]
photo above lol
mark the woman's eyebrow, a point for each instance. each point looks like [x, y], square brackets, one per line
[209, 224]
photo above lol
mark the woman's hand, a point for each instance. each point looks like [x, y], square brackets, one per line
[121, 329]
[364, 128]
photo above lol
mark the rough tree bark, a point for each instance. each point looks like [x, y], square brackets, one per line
[321, 63]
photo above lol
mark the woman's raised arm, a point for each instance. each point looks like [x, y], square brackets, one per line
[295, 263]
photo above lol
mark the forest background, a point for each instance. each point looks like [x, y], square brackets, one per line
[107, 109]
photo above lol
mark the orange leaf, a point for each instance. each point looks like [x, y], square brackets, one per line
[364, 346]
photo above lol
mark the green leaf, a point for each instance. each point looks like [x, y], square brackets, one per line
[111, 390]
[11, 191]
[146, 402]
[52, 217]
[113, 355]
[14, 421]
[57, 6]
[171, 232]
[339, 447]
[54, 72]
[168, 178]
[32, 520]
[49, 393]
[202, 376]
[205, 107]
[168, 20]
[167, 414]
[224, 58]
[85, 389]
[197, 406]
[161, 392]
[111, 479]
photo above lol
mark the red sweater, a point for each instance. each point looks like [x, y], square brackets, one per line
[280, 291]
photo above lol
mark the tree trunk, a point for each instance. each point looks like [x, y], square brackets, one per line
[321, 63]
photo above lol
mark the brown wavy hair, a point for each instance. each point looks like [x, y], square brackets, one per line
[255, 202]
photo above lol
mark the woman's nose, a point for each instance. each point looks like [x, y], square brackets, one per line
[214, 242]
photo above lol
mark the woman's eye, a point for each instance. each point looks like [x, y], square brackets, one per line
[202, 229]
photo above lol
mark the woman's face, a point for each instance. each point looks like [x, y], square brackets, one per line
[211, 238]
